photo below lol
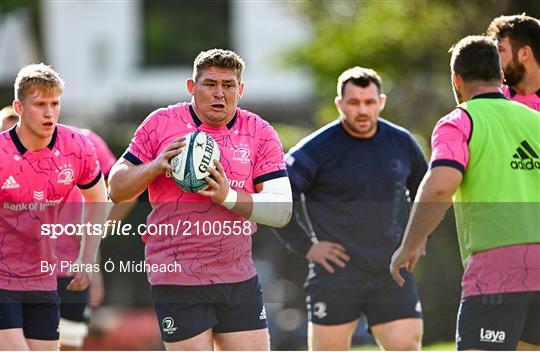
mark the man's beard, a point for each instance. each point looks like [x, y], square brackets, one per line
[514, 72]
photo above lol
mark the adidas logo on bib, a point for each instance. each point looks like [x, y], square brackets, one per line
[10, 183]
[527, 158]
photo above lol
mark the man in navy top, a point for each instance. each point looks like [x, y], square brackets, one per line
[353, 181]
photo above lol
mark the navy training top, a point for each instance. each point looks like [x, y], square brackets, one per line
[353, 191]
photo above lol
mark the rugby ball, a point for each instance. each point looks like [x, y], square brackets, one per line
[191, 166]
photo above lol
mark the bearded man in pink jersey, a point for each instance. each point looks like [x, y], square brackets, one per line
[215, 300]
[42, 162]
[519, 47]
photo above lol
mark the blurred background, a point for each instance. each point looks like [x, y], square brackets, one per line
[123, 59]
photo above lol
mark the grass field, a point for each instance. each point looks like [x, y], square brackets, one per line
[440, 346]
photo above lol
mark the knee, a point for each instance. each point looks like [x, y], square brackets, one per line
[328, 338]
[411, 342]
[405, 345]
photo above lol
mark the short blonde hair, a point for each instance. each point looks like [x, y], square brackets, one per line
[37, 77]
[218, 58]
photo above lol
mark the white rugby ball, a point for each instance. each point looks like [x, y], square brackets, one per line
[191, 166]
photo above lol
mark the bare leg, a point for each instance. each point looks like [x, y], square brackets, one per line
[13, 339]
[42, 345]
[330, 337]
[401, 334]
[252, 340]
[201, 342]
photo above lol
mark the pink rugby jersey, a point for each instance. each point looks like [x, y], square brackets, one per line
[68, 247]
[500, 270]
[35, 186]
[210, 243]
[531, 100]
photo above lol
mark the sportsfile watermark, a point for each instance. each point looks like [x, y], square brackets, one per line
[127, 266]
[208, 219]
[180, 228]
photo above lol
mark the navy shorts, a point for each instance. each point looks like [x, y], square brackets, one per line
[380, 300]
[36, 312]
[498, 321]
[73, 304]
[187, 311]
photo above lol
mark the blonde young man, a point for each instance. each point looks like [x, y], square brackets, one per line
[42, 162]
[74, 310]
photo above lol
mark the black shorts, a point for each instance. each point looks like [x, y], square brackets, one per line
[380, 300]
[498, 321]
[73, 304]
[187, 311]
[36, 312]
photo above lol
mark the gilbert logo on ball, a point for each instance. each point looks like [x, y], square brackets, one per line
[191, 166]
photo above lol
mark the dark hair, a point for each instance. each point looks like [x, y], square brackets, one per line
[521, 30]
[475, 58]
[359, 76]
[218, 58]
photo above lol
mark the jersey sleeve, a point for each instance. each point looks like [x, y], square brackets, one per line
[269, 162]
[450, 141]
[142, 148]
[104, 154]
[90, 168]
[418, 168]
[301, 168]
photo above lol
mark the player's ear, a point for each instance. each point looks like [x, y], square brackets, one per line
[524, 53]
[241, 91]
[382, 96]
[338, 101]
[456, 80]
[17, 105]
[191, 85]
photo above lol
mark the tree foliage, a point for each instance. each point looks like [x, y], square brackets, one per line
[407, 42]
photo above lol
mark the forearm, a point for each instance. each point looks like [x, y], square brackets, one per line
[95, 214]
[89, 248]
[126, 183]
[424, 219]
[271, 206]
[242, 205]
[272, 209]
[119, 211]
[433, 200]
